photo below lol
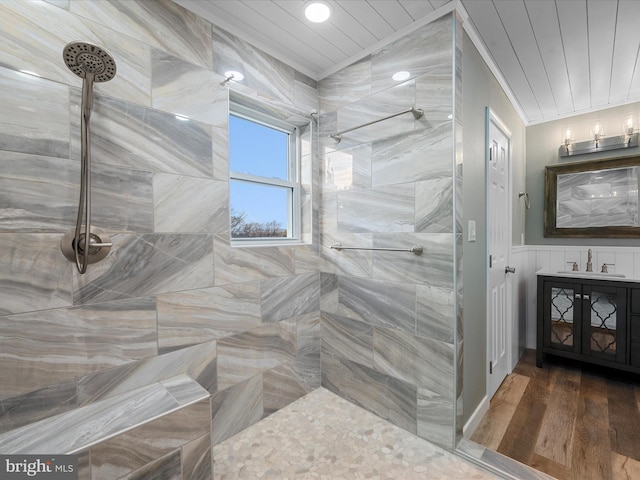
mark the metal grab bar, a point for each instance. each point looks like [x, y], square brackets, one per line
[417, 113]
[417, 249]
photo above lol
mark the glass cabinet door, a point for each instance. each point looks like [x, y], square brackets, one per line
[564, 316]
[602, 322]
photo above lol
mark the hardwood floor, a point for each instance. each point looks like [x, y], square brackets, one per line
[568, 420]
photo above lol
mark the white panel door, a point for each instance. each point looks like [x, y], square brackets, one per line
[499, 246]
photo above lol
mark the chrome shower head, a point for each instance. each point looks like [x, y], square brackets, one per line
[82, 58]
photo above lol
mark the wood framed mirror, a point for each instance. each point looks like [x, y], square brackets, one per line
[596, 199]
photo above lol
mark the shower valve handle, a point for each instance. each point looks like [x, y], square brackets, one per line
[103, 244]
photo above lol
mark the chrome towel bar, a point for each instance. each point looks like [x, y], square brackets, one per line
[417, 249]
[417, 113]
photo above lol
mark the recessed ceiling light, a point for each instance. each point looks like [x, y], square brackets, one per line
[400, 76]
[317, 12]
[237, 76]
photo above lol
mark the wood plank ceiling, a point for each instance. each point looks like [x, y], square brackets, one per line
[556, 57]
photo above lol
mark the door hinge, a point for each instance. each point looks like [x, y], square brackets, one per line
[491, 368]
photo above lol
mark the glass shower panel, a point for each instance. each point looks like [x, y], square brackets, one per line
[562, 316]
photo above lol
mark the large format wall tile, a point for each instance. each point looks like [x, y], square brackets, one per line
[389, 316]
[251, 353]
[376, 107]
[435, 418]
[67, 343]
[281, 386]
[196, 316]
[433, 267]
[159, 23]
[140, 265]
[378, 303]
[418, 53]
[189, 204]
[142, 138]
[347, 168]
[183, 88]
[358, 263]
[416, 156]
[41, 195]
[241, 264]
[20, 410]
[306, 365]
[421, 155]
[420, 361]
[345, 86]
[390, 398]
[33, 273]
[140, 446]
[39, 119]
[39, 33]
[168, 467]
[381, 209]
[434, 312]
[265, 75]
[283, 298]
[37, 193]
[198, 362]
[121, 199]
[434, 205]
[434, 95]
[346, 338]
[236, 408]
[197, 463]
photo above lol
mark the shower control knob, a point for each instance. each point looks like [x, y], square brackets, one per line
[99, 245]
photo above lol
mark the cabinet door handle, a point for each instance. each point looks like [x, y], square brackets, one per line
[578, 295]
[586, 297]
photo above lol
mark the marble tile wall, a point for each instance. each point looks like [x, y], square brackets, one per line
[389, 318]
[173, 297]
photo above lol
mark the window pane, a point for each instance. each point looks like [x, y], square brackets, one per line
[257, 149]
[259, 211]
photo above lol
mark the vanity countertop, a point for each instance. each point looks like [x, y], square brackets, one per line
[592, 275]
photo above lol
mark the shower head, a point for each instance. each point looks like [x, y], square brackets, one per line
[82, 58]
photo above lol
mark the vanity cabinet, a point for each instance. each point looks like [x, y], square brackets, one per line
[592, 320]
[634, 325]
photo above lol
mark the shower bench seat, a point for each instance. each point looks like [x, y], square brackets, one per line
[77, 430]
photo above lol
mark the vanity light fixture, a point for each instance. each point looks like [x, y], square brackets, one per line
[629, 124]
[599, 142]
[317, 11]
[597, 131]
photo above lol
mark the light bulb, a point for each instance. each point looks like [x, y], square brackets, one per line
[629, 125]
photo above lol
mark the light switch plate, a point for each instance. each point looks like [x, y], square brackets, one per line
[471, 231]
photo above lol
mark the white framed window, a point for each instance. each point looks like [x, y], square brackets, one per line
[264, 185]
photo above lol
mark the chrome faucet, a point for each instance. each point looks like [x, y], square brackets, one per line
[589, 264]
